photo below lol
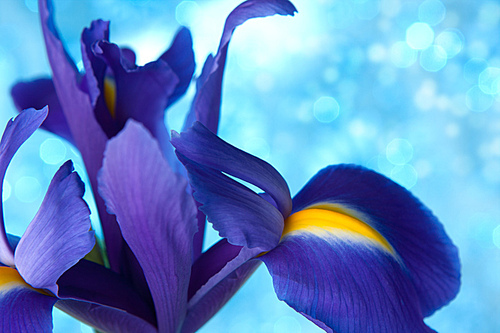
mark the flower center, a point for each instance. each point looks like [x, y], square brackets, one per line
[316, 220]
[110, 94]
[10, 278]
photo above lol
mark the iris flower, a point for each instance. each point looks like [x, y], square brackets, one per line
[352, 251]
[56, 239]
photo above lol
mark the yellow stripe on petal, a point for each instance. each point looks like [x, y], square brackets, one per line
[315, 220]
[10, 278]
[110, 94]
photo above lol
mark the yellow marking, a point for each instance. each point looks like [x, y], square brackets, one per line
[110, 94]
[313, 218]
[10, 277]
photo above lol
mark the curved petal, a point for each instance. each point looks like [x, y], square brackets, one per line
[344, 282]
[18, 130]
[104, 318]
[411, 229]
[59, 235]
[180, 57]
[37, 94]
[206, 103]
[205, 148]
[156, 216]
[22, 308]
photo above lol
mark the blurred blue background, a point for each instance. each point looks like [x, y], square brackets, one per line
[408, 88]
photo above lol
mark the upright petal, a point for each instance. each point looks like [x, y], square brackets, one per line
[205, 148]
[206, 103]
[22, 308]
[18, 130]
[38, 94]
[412, 230]
[156, 216]
[180, 57]
[344, 282]
[59, 235]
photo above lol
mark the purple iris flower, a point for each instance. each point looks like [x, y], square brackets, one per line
[56, 239]
[352, 251]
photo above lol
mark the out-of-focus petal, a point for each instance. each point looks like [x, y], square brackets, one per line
[345, 281]
[104, 318]
[207, 149]
[59, 235]
[412, 230]
[18, 130]
[38, 94]
[91, 282]
[206, 103]
[22, 308]
[180, 57]
[156, 216]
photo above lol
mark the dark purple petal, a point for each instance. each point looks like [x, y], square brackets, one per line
[91, 282]
[18, 130]
[59, 235]
[237, 213]
[23, 309]
[105, 319]
[156, 214]
[128, 58]
[344, 281]
[207, 149]
[410, 227]
[180, 57]
[86, 131]
[206, 103]
[37, 94]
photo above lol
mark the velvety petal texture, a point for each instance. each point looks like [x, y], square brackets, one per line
[59, 235]
[18, 130]
[412, 230]
[156, 215]
[22, 308]
[206, 103]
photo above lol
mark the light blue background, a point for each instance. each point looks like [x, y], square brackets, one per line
[408, 88]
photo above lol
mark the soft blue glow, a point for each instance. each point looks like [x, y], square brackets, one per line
[496, 236]
[431, 12]
[287, 324]
[326, 109]
[473, 68]
[451, 41]
[28, 189]
[53, 151]
[185, 12]
[433, 58]
[399, 151]
[476, 100]
[404, 175]
[6, 191]
[402, 55]
[419, 36]
[489, 80]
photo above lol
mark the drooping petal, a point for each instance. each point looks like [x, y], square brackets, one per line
[205, 148]
[87, 133]
[180, 57]
[236, 212]
[345, 282]
[22, 308]
[38, 94]
[156, 216]
[411, 229]
[18, 130]
[206, 103]
[104, 318]
[91, 282]
[59, 235]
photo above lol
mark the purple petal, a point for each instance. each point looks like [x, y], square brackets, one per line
[206, 103]
[18, 130]
[344, 282]
[59, 235]
[37, 94]
[91, 282]
[87, 133]
[180, 57]
[205, 148]
[105, 319]
[219, 289]
[156, 216]
[22, 308]
[237, 213]
[411, 229]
